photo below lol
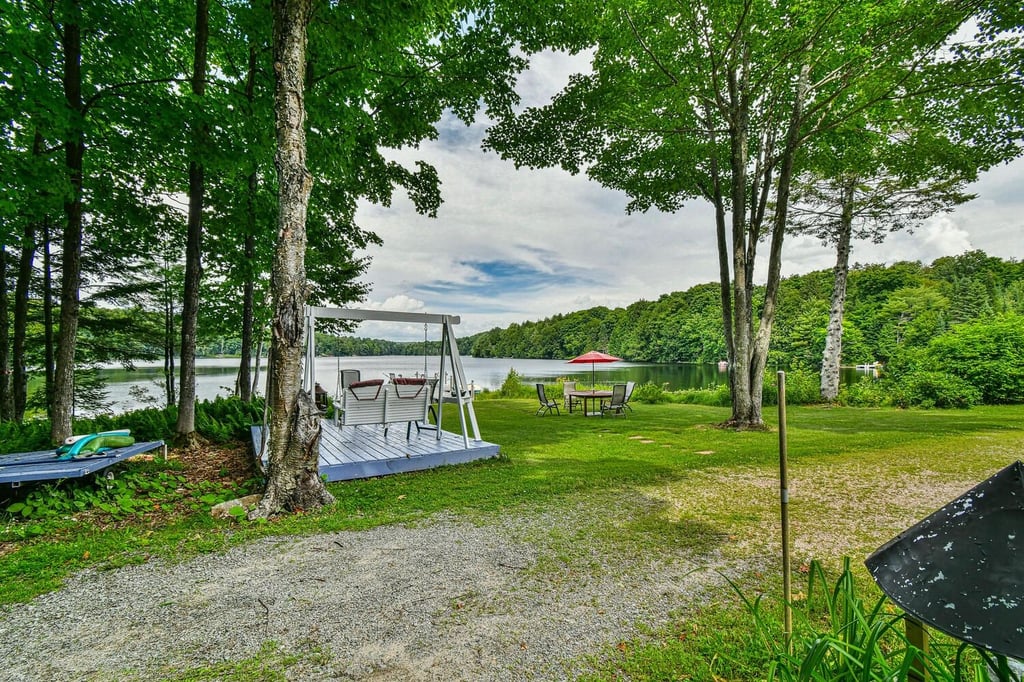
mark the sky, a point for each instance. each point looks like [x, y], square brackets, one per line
[514, 245]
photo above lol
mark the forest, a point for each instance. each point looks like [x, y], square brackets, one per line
[902, 315]
[139, 200]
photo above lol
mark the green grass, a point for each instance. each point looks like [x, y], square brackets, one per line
[660, 483]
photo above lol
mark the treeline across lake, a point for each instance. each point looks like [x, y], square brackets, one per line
[890, 310]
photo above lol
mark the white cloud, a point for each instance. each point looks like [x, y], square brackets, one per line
[512, 245]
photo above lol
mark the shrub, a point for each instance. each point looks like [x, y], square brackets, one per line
[867, 392]
[988, 354]
[712, 396]
[935, 389]
[648, 393]
[220, 420]
[803, 387]
[512, 387]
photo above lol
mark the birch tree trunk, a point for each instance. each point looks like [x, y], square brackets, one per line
[6, 396]
[293, 480]
[834, 337]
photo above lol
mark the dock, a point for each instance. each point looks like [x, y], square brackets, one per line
[44, 465]
[353, 452]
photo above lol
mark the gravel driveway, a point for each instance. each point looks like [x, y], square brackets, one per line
[445, 600]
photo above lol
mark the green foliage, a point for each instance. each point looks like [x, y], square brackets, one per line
[513, 387]
[803, 387]
[839, 637]
[327, 344]
[137, 488]
[989, 354]
[934, 389]
[221, 420]
[868, 392]
[27, 436]
[132, 492]
[712, 396]
[648, 393]
[224, 420]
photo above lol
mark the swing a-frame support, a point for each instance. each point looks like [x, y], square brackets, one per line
[451, 361]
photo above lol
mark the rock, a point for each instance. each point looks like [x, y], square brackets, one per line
[223, 510]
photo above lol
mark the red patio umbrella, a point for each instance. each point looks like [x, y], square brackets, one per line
[593, 357]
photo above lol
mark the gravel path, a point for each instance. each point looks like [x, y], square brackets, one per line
[446, 600]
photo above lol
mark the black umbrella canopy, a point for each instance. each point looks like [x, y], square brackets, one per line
[961, 570]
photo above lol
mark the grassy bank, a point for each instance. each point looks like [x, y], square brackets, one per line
[657, 486]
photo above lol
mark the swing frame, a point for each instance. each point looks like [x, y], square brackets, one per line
[461, 394]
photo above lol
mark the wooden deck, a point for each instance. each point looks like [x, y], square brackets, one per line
[44, 465]
[352, 452]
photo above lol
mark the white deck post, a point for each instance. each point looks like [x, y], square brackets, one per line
[462, 390]
[309, 371]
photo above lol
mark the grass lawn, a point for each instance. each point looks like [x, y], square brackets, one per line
[655, 486]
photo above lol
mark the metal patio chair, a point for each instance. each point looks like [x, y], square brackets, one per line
[546, 405]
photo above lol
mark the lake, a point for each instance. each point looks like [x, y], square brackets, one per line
[216, 376]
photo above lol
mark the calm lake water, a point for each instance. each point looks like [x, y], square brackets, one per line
[216, 376]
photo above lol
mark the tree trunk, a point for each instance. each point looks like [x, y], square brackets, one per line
[19, 386]
[293, 480]
[49, 359]
[243, 387]
[6, 394]
[248, 308]
[746, 403]
[751, 347]
[71, 244]
[833, 354]
[186, 426]
[170, 392]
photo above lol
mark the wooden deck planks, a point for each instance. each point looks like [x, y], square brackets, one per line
[44, 465]
[352, 452]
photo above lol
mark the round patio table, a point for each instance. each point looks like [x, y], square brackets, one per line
[587, 396]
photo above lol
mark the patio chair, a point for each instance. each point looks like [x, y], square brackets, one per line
[630, 385]
[545, 405]
[617, 403]
[347, 377]
[567, 400]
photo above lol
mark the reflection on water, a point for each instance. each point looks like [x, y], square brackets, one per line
[216, 376]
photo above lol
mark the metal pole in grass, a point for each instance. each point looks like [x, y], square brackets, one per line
[787, 577]
[917, 636]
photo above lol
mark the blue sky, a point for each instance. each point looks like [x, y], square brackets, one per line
[513, 245]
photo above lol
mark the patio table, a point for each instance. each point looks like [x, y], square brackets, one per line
[587, 396]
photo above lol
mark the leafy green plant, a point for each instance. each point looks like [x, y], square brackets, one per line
[220, 421]
[868, 392]
[987, 354]
[137, 489]
[648, 393]
[934, 389]
[803, 387]
[839, 637]
[512, 387]
[712, 396]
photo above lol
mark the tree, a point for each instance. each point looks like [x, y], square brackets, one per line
[390, 78]
[867, 201]
[722, 101]
[901, 163]
[186, 426]
[293, 480]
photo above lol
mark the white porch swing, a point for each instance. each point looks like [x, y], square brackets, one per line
[348, 452]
